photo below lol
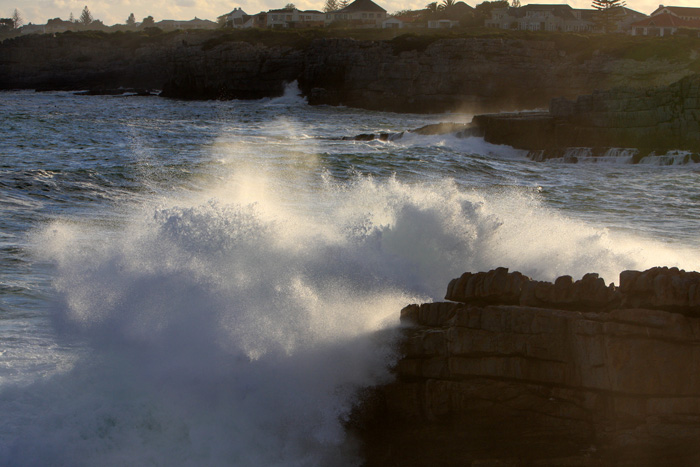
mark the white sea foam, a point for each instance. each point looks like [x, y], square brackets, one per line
[235, 326]
[468, 145]
[292, 96]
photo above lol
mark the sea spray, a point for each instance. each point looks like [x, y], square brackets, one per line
[233, 324]
[227, 333]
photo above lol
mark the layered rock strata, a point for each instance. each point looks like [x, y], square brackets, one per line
[521, 372]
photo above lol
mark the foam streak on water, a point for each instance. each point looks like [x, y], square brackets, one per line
[225, 307]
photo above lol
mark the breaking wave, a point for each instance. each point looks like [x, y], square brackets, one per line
[235, 326]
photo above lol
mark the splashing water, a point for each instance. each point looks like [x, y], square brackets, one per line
[234, 324]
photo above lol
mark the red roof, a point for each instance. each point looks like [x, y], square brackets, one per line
[666, 20]
[680, 10]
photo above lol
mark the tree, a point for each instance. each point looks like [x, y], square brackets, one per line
[432, 7]
[482, 12]
[331, 5]
[148, 22]
[17, 19]
[85, 17]
[608, 13]
[446, 4]
[344, 3]
[71, 18]
[290, 6]
[515, 3]
[131, 20]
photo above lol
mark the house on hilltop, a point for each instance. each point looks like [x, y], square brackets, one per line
[540, 17]
[394, 22]
[294, 18]
[6, 24]
[667, 20]
[625, 19]
[257, 21]
[408, 19]
[450, 16]
[561, 18]
[235, 19]
[682, 12]
[196, 23]
[359, 14]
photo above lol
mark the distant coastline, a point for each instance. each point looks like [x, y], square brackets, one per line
[489, 71]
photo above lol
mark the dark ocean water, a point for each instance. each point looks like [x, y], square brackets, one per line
[200, 283]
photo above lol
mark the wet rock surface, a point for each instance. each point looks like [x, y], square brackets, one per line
[520, 372]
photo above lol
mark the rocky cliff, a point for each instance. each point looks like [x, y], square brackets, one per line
[445, 75]
[404, 74]
[518, 372]
[72, 61]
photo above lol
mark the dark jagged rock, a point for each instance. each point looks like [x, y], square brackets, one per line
[662, 289]
[116, 92]
[500, 286]
[521, 372]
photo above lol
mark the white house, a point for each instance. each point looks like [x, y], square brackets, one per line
[442, 24]
[392, 23]
[536, 17]
[294, 18]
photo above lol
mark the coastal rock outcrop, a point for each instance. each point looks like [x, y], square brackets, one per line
[655, 120]
[519, 372]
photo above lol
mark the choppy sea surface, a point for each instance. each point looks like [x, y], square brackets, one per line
[211, 283]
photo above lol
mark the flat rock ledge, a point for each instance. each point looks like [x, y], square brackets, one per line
[516, 372]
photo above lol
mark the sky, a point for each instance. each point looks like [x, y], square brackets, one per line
[117, 11]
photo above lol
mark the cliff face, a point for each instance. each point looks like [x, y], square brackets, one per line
[450, 74]
[235, 70]
[520, 372]
[73, 61]
[472, 74]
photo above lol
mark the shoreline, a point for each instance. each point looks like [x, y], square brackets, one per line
[488, 71]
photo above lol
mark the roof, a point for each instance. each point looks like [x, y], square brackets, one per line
[407, 18]
[562, 10]
[362, 5]
[679, 10]
[667, 20]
